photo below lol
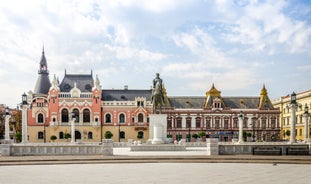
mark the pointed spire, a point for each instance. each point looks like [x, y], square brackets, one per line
[264, 90]
[213, 92]
[43, 67]
[96, 83]
[43, 82]
[55, 83]
[264, 101]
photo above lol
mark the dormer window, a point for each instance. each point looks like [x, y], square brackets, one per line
[88, 87]
[140, 102]
[217, 103]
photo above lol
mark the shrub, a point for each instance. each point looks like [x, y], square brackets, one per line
[108, 135]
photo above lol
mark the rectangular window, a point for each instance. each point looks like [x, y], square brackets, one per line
[178, 122]
[198, 122]
[226, 124]
[208, 123]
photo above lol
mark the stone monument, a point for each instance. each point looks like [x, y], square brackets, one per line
[158, 129]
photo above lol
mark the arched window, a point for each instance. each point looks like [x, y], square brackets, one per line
[108, 118]
[76, 112]
[122, 135]
[140, 118]
[65, 115]
[40, 118]
[86, 116]
[121, 118]
[40, 135]
[90, 135]
[61, 135]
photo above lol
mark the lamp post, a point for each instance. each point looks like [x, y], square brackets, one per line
[293, 105]
[119, 132]
[189, 136]
[7, 125]
[306, 114]
[24, 119]
[240, 116]
[44, 131]
[73, 119]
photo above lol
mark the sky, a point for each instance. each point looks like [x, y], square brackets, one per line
[238, 45]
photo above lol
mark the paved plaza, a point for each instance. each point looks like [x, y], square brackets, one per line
[146, 172]
[157, 173]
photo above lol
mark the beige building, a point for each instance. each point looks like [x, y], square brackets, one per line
[303, 100]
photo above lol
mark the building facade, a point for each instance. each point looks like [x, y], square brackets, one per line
[304, 100]
[52, 105]
[125, 112]
[217, 117]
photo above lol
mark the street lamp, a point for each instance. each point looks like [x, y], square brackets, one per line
[119, 132]
[24, 118]
[44, 131]
[306, 114]
[293, 98]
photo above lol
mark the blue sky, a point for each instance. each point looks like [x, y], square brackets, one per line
[237, 45]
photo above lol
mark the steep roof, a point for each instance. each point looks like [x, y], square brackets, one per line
[242, 102]
[125, 94]
[43, 83]
[187, 102]
[84, 82]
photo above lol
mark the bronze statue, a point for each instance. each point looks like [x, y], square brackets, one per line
[157, 97]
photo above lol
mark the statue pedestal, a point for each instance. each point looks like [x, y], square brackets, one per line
[157, 128]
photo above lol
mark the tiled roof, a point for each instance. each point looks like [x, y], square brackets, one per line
[84, 82]
[125, 94]
[43, 84]
[198, 102]
[187, 102]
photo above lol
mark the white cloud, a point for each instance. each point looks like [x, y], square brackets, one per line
[133, 53]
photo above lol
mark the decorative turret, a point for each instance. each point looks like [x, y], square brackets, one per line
[264, 101]
[55, 83]
[96, 84]
[212, 96]
[43, 83]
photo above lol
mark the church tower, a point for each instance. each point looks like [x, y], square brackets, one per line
[43, 83]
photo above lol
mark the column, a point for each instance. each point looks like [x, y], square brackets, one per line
[7, 127]
[306, 128]
[240, 128]
[293, 124]
[73, 130]
[24, 124]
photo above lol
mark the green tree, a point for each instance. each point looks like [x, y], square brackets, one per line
[108, 135]
[67, 136]
[287, 133]
[195, 136]
[201, 134]
[18, 137]
[53, 137]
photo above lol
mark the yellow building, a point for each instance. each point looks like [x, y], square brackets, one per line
[303, 100]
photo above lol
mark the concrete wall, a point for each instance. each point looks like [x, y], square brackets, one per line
[104, 148]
